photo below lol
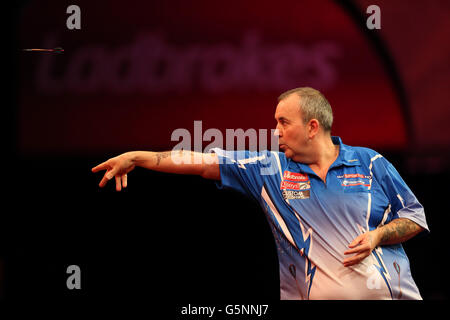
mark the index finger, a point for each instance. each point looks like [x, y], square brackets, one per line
[356, 241]
[355, 250]
[101, 166]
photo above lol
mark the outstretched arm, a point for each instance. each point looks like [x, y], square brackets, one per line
[181, 162]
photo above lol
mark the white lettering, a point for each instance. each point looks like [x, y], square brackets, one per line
[373, 281]
[74, 20]
[374, 21]
[74, 280]
[198, 310]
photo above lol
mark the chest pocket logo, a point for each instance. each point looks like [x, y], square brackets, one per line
[355, 182]
[295, 185]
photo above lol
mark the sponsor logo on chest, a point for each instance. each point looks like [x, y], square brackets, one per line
[295, 185]
[354, 179]
[295, 176]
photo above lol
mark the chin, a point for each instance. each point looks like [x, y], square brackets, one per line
[288, 153]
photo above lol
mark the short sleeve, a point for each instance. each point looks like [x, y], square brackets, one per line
[245, 171]
[404, 203]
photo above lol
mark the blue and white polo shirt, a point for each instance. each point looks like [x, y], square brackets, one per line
[314, 222]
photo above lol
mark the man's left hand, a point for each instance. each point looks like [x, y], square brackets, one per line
[362, 246]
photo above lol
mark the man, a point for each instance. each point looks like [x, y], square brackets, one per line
[338, 213]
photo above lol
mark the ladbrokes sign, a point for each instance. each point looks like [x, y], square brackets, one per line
[152, 65]
[135, 72]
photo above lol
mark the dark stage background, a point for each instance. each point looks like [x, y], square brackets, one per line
[136, 72]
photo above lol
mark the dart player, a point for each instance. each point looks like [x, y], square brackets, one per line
[339, 213]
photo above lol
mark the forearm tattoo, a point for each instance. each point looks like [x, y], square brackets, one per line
[399, 230]
[161, 155]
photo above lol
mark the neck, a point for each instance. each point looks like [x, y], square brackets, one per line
[326, 151]
[323, 152]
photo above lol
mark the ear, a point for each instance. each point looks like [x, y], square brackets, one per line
[313, 128]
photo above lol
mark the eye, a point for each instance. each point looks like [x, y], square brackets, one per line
[282, 121]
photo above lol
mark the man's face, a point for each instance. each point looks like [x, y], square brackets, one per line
[292, 133]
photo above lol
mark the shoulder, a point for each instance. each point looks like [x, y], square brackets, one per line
[369, 158]
[251, 157]
[366, 155]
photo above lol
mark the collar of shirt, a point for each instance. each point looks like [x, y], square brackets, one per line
[347, 157]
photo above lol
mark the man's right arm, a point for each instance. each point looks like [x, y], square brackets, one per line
[181, 162]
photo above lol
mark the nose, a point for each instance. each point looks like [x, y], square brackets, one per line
[277, 132]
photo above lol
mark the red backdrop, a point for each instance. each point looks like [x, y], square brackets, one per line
[136, 72]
